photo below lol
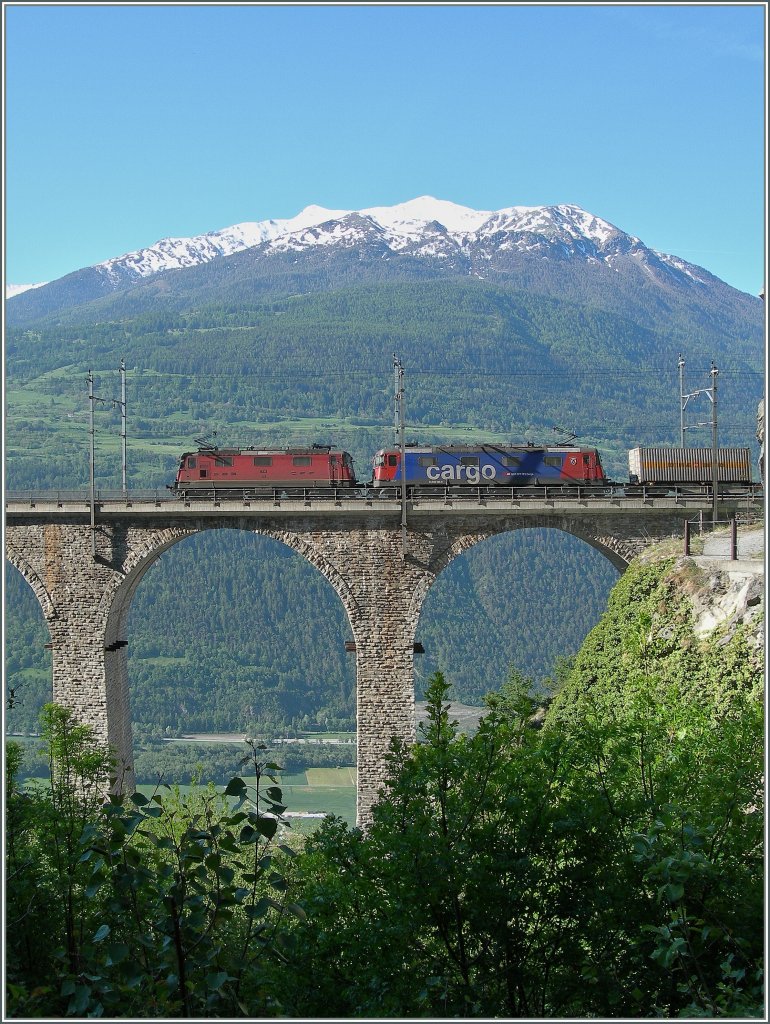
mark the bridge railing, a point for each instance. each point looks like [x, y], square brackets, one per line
[447, 493]
[59, 497]
[163, 495]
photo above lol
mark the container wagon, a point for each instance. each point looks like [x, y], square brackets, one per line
[688, 466]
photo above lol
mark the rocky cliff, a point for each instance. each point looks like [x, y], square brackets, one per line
[690, 625]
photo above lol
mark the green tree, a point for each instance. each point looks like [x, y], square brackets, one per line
[141, 906]
[47, 888]
[606, 868]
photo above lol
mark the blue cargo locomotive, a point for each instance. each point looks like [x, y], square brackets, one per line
[489, 465]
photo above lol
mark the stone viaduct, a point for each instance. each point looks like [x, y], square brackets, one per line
[85, 574]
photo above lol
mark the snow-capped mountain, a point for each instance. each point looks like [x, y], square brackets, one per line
[559, 251]
[424, 226]
[174, 253]
[399, 226]
[428, 227]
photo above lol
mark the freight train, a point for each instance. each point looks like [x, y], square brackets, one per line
[454, 468]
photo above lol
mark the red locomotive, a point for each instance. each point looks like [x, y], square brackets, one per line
[214, 470]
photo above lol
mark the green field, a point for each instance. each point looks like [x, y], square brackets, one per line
[315, 791]
[321, 790]
[337, 800]
[336, 777]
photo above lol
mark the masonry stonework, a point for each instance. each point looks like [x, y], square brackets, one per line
[86, 600]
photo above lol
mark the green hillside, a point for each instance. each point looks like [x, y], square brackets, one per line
[481, 360]
[256, 634]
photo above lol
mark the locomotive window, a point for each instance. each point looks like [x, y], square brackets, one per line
[469, 460]
[263, 460]
[427, 460]
[586, 460]
[192, 462]
[552, 460]
[512, 461]
[392, 460]
[301, 460]
[223, 460]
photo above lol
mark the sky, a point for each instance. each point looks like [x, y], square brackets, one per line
[128, 123]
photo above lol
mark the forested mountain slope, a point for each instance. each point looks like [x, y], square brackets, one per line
[481, 361]
[558, 251]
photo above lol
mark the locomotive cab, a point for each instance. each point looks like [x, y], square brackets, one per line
[386, 467]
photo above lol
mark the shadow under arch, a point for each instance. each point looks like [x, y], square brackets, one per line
[523, 604]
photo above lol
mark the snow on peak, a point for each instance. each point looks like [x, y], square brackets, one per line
[410, 225]
[590, 226]
[310, 217]
[17, 289]
[406, 223]
[682, 265]
[456, 219]
[173, 253]
[563, 220]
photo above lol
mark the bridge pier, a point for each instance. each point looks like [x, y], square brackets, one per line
[89, 662]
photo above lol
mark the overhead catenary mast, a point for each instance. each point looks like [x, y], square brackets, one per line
[121, 403]
[398, 370]
[711, 393]
[92, 399]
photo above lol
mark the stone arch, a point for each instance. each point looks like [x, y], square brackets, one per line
[33, 579]
[438, 563]
[145, 553]
[618, 552]
[116, 600]
[298, 544]
[143, 549]
[25, 697]
[147, 549]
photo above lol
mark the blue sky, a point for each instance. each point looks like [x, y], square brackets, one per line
[125, 124]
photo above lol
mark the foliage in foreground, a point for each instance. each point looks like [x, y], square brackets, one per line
[607, 864]
[520, 873]
[134, 906]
